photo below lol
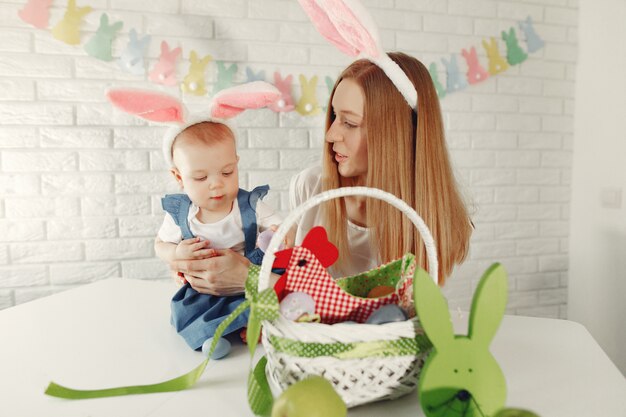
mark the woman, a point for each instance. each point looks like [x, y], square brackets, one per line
[373, 138]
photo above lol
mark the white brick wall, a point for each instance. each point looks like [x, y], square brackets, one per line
[80, 182]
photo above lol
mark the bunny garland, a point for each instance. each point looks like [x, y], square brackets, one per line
[344, 23]
[163, 108]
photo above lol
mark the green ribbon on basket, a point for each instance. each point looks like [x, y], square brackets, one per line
[263, 306]
[380, 348]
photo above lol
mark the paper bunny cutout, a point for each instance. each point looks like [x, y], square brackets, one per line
[194, 82]
[475, 72]
[68, 29]
[224, 76]
[308, 105]
[131, 59]
[460, 375]
[330, 84]
[349, 26]
[514, 54]
[36, 13]
[533, 41]
[164, 108]
[164, 71]
[454, 80]
[497, 63]
[99, 46]
[285, 102]
[252, 76]
[434, 74]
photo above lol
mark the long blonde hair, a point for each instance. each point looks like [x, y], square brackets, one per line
[412, 165]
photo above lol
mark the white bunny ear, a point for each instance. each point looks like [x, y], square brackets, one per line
[350, 27]
[232, 101]
[151, 106]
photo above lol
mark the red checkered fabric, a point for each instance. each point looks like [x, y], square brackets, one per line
[306, 274]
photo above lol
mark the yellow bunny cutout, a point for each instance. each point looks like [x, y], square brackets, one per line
[68, 29]
[194, 83]
[308, 105]
[497, 63]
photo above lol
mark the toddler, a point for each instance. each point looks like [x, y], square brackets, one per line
[214, 213]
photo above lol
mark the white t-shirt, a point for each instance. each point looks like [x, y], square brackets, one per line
[226, 233]
[308, 183]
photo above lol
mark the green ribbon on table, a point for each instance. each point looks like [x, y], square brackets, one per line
[263, 306]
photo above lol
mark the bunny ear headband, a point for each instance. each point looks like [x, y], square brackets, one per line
[163, 108]
[349, 26]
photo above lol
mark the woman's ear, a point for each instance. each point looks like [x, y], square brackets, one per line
[179, 179]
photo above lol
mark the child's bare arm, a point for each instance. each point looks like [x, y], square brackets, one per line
[165, 250]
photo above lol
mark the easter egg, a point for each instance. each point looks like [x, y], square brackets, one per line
[221, 349]
[311, 397]
[263, 241]
[380, 291]
[296, 304]
[386, 314]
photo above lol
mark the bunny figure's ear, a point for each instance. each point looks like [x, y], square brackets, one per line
[346, 24]
[488, 305]
[151, 106]
[432, 309]
[232, 101]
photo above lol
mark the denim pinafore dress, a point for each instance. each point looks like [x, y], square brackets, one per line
[195, 316]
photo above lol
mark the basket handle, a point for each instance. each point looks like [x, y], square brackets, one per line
[291, 219]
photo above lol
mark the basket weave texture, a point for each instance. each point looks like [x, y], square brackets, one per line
[363, 362]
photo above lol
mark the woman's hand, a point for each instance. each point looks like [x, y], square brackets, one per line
[224, 273]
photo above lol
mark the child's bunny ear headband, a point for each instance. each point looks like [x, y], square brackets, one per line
[349, 26]
[163, 108]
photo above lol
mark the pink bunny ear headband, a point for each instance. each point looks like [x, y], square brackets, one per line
[349, 26]
[163, 108]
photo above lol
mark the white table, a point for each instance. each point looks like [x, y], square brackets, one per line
[116, 332]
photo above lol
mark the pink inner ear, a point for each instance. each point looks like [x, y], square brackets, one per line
[147, 105]
[355, 25]
[326, 28]
[232, 101]
[224, 111]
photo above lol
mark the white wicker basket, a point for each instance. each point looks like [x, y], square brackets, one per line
[369, 377]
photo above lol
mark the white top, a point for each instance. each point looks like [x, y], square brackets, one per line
[308, 183]
[226, 233]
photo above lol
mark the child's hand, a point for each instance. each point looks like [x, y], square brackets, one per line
[193, 248]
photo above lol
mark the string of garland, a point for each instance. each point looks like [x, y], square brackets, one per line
[132, 59]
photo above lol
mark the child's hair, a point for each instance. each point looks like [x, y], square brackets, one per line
[413, 165]
[207, 133]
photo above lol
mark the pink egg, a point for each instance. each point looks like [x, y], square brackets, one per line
[296, 304]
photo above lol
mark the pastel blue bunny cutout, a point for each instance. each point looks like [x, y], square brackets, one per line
[533, 41]
[455, 81]
[132, 59]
